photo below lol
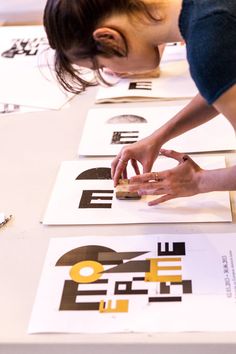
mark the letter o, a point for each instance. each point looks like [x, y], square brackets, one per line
[79, 278]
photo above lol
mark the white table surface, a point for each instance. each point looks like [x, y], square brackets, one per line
[32, 146]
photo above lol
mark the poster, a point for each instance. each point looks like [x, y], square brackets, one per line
[142, 283]
[22, 45]
[83, 194]
[174, 83]
[107, 130]
[27, 69]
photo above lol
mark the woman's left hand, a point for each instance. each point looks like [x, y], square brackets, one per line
[180, 181]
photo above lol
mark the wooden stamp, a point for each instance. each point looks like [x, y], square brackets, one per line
[123, 193]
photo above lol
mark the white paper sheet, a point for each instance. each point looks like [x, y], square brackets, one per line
[107, 130]
[33, 87]
[174, 83]
[137, 295]
[173, 52]
[27, 71]
[81, 195]
[22, 45]
[2, 217]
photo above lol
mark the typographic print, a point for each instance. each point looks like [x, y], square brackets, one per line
[101, 123]
[24, 47]
[9, 108]
[125, 137]
[126, 119]
[96, 199]
[95, 173]
[140, 85]
[94, 268]
[140, 283]
[84, 193]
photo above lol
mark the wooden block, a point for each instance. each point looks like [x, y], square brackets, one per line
[123, 193]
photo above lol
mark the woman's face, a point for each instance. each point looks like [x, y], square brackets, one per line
[135, 62]
[138, 60]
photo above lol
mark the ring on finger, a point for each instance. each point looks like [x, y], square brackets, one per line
[156, 176]
[123, 161]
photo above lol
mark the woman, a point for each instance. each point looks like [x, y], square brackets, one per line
[124, 36]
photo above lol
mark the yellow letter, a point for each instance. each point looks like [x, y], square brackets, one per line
[121, 306]
[78, 278]
[154, 268]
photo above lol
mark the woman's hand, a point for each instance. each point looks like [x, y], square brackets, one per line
[180, 181]
[145, 151]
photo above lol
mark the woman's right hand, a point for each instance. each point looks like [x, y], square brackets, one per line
[144, 151]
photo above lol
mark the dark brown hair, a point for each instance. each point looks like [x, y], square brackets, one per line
[70, 24]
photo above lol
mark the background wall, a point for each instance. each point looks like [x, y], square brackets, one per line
[21, 11]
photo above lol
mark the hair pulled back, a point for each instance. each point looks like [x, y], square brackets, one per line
[69, 26]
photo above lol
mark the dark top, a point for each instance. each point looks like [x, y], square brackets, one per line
[209, 29]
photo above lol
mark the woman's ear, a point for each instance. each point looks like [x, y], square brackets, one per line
[110, 39]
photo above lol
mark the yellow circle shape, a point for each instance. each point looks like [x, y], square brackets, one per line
[76, 276]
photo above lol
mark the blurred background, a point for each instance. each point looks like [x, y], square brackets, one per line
[21, 12]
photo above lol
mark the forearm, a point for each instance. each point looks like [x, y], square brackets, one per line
[223, 179]
[197, 112]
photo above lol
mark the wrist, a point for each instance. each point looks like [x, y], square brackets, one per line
[214, 180]
[203, 182]
[160, 136]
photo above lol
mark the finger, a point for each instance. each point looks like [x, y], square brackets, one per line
[120, 167]
[141, 178]
[124, 173]
[146, 177]
[113, 165]
[147, 167]
[162, 199]
[179, 156]
[135, 166]
[150, 188]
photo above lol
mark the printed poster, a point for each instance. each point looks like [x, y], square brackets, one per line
[107, 130]
[174, 82]
[22, 45]
[151, 283]
[84, 194]
[27, 69]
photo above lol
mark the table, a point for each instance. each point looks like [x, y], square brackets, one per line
[32, 146]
